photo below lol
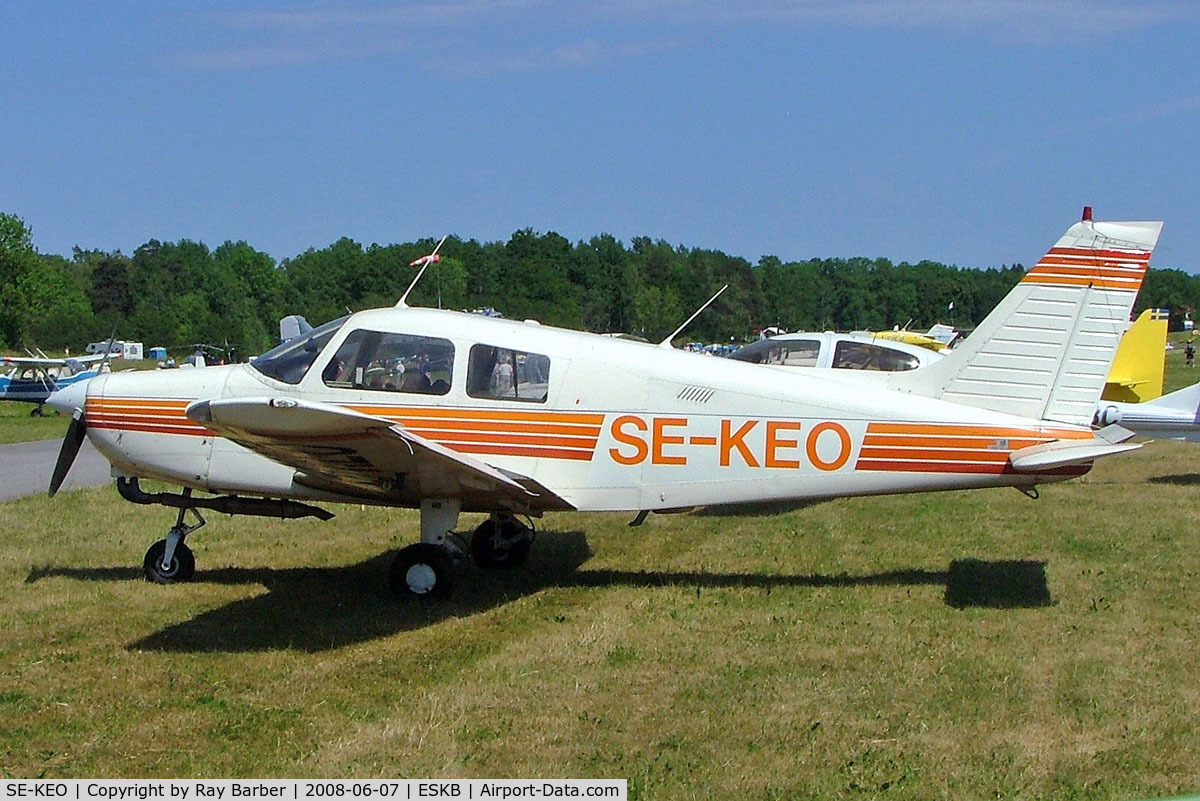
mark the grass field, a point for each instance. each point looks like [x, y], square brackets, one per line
[954, 645]
[16, 424]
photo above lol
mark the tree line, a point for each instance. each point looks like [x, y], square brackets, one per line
[178, 294]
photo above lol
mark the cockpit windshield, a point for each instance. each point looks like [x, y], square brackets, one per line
[289, 361]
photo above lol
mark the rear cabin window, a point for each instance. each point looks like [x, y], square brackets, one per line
[865, 356]
[505, 374]
[387, 362]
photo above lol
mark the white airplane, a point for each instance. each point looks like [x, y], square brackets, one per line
[828, 349]
[1175, 415]
[451, 412]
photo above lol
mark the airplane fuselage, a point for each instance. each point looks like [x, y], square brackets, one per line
[604, 423]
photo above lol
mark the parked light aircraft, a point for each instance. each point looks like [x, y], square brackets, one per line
[450, 412]
[1133, 395]
[859, 351]
[32, 379]
[939, 337]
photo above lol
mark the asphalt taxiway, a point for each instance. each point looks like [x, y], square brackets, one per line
[25, 468]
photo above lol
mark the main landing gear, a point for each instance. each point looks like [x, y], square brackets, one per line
[426, 570]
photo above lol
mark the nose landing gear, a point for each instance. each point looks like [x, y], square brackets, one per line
[170, 561]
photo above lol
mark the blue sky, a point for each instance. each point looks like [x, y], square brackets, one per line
[965, 131]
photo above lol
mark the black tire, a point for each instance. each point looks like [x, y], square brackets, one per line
[515, 543]
[422, 571]
[183, 565]
[37, 412]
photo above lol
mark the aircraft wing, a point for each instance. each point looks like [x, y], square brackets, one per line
[32, 361]
[351, 453]
[45, 361]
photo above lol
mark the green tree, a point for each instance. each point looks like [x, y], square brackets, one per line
[56, 310]
[18, 263]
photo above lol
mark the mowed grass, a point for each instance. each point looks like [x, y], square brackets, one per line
[952, 645]
[17, 425]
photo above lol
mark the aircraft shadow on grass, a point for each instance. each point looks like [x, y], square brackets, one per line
[1179, 480]
[319, 609]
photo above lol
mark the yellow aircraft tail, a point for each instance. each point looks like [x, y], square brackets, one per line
[1137, 371]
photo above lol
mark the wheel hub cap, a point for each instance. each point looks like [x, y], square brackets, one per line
[420, 578]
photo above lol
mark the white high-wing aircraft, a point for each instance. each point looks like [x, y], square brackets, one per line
[450, 412]
[1175, 415]
[33, 379]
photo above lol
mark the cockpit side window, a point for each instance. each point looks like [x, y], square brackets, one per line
[788, 352]
[390, 362]
[504, 374]
[289, 361]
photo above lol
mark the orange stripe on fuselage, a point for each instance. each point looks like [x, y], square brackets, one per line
[924, 441]
[935, 454]
[553, 435]
[501, 437]
[580, 418]
[155, 416]
[432, 426]
[952, 448]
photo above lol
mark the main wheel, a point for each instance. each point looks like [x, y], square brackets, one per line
[182, 567]
[423, 570]
[501, 543]
[37, 412]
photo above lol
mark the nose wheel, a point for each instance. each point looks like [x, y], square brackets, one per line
[170, 561]
[181, 566]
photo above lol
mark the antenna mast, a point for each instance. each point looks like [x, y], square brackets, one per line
[423, 263]
[666, 343]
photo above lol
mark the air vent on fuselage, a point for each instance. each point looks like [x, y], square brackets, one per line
[695, 394]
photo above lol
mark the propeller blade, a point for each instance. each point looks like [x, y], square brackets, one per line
[70, 449]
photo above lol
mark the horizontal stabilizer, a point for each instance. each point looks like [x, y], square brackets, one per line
[1064, 453]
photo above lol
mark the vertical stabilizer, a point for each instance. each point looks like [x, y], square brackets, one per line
[1044, 352]
[1140, 365]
